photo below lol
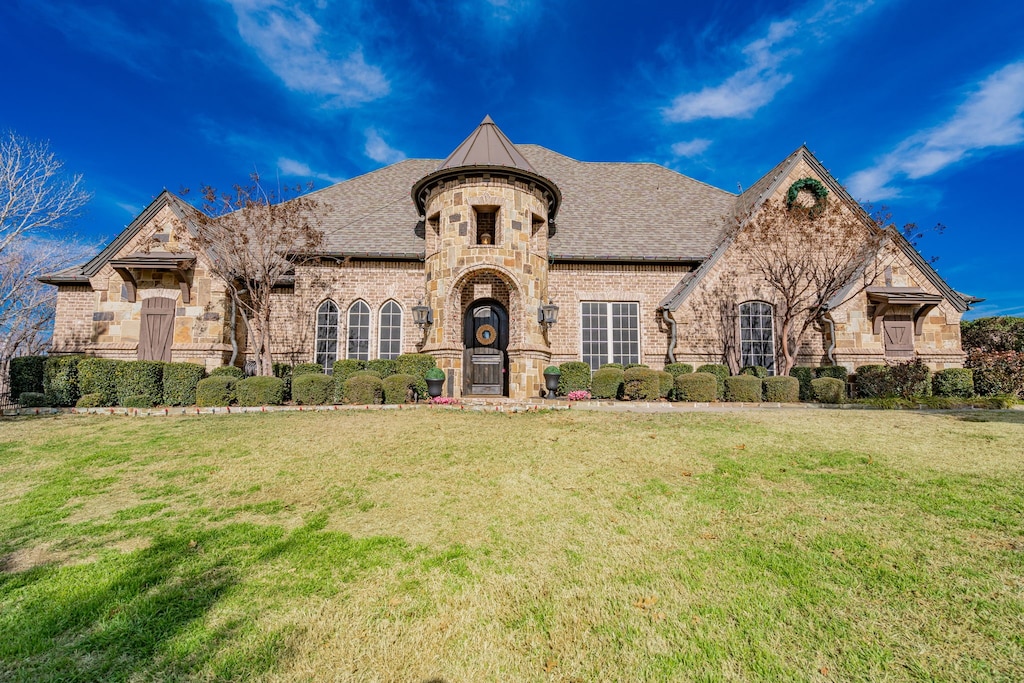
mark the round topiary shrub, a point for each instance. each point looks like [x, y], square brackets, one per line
[384, 367]
[781, 389]
[676, 369]
[434, 373]
[835, 371]
[399, 389]
[215, 391]
[343, 369]
[260, 391]
[180, 381]
[719, 371]
[552, 370]
[365, 388]
[97, 376]
[33, 399]
[92, 401]
[307, 369]
[228, 371]
[666, 383]
[138, 401]
[617, 366]
[26, 374]
[60, 380]
[828, 390]
[312, 389]
[953, 382]
[607, 383]
[640, 384]
[140, 378]
[699, 387]
[744, 389]
[804, 375]
[575, 377]
[755, 371]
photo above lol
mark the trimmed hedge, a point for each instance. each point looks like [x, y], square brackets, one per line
[140, 378]
[744, 389]
[640, 384]
[384, 367]
[284, 371]
[575, 377]
[365, 388]
[416, 364]
[699, 387]
[676, 369]
[627, 366]
[138, 401]
[617, 366]
[32, 399]
[835, 371]
[781, 389]
[953, 383]
[904, 380]
[216, 390]
[180, 381]
[804, 375]
[92, 401]
[755, 371]
[60, 380]
[260, 391]
[828, 390]
[343, 369]
[313, 389]
[873, 381]
[997, 373]
[97, 376]
[308, 369]
[666, 382]
[607, 383]
[26, 374]
[396, 388]
[228, 371]
[721, 372]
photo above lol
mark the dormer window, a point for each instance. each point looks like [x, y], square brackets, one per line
[486, 224]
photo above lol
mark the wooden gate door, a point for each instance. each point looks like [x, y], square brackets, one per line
[485, 359]
[156, 329]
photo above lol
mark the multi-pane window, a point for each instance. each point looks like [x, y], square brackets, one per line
[359, 331]
[327, 334]
[611, 332]
[390, 330]
[757, 335]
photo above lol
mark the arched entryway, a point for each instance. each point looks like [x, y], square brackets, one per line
[485, 360]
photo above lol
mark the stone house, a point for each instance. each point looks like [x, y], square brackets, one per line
[501, 260]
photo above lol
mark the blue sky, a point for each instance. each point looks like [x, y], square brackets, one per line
[916, 104]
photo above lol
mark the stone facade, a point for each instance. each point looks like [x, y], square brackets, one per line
[464, 261]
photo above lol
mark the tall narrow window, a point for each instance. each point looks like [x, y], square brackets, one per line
[390, 330]
[327, 334]
[486, 225]
[359, 331]
[757, 335]
[610, 332]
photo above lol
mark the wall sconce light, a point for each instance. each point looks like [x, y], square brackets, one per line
[547, 314]
[422, 315]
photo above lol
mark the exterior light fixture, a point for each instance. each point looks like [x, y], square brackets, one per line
[422, 315]
[547, 314]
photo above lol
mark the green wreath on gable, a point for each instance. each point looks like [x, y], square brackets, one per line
[814, 187]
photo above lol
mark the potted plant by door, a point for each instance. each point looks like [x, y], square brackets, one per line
[551, 376]
[435, 382]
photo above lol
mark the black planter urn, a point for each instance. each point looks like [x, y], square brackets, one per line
[551, 383]
[435, 387]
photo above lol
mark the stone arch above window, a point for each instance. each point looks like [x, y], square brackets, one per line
[326, 334]
[757, 334]
[390, 330]
[359, 331]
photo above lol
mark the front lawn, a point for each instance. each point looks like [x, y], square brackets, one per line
[460, 546]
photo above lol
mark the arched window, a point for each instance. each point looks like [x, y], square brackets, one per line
[390, 336]
[359, 331]
[757, 335]
[327, 334]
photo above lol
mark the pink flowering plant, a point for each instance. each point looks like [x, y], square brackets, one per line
[579, 395]
[443, 401]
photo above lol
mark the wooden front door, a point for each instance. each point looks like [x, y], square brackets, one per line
[156, 329]
[485, 359]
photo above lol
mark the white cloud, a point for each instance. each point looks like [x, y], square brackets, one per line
[990, 117]
[691, 148]
[298, 169]
[380, 151]
[756, 84]
[290, 43]
[132, 209]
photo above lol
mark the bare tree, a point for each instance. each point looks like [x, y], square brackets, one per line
[808, 255]
[36, 201]
[253, 239]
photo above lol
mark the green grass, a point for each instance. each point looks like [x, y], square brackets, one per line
[443, 545]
